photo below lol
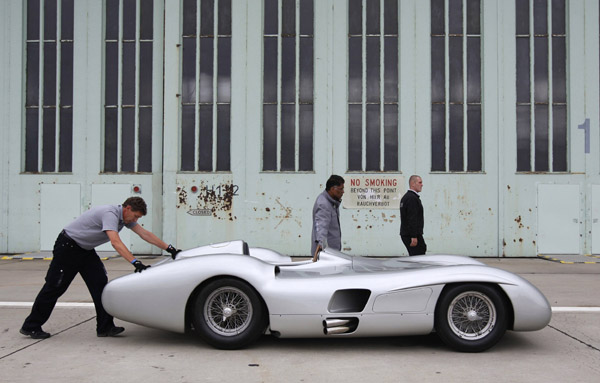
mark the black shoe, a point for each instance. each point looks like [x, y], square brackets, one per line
[35, 334]
[113, 331]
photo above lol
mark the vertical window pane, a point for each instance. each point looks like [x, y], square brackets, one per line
[207, 18]
[67, 19]
[128, 79]
[128, 140]
[541, 138]
[288, 137]
[146, 19]
[473, 17]
[112, 19]
[522, 17]
[110, 139]
[541, 70]
[50, 19]
[455, 17]
[66, 74]
[438, 69]
[437, 17]
[65, 160]
[474, 162]
[390, 17]
[188, 138]
[438, 137]
[271, 17]
[188, 82]
[224, 70]
[269, 137]
[474, 69]
[205, 143]
[391, 69]
[456, 69]
[559, 70]
[373, 137]
[33, 19]
[33, 75]
[305, 146]
[540, 17]
[288, 69]
[49, 73]
[558, 17]
[355, 69]
[145, 140]
[559, 138]
[355, 17]
[523, 80]
[206, 69]
[354, 137]
[48, 141]
[223, 137]
[391, 137]
[373, 59]
[288, 17]
[306, 70]
[145, 68]
[523, 138]
[373, 19]
[189, 18]
[224, 17]
[270, 70]
[456, 137]
[31, 140]
[129, 16]
[306, 17]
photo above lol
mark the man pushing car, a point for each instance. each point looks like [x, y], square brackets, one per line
[74, 253]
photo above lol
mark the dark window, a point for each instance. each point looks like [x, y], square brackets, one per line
[128, 82]
[373, 62]
[288, 73]
[206, 86]
[49, 103]
[456, 132]
[541, 107]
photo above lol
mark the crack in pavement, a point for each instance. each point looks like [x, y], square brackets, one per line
[574, 338]
[41, 340]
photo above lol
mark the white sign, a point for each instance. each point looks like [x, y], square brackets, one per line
[373, 192]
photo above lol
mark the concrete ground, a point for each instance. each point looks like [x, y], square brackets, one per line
[568, 350]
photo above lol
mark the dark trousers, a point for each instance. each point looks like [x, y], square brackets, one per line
[68, 260]
[420, 249]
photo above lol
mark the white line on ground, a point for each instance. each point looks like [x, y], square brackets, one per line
[83, 304]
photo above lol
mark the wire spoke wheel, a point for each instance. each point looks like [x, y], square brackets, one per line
[472, 315]
[228, 311]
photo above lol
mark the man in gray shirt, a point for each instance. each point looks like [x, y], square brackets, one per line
[74, 253]
[326, 230]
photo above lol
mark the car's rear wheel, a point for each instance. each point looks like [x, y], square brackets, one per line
[229, 314]
[471, 317]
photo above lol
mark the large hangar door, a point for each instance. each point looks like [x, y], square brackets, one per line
[558, 219]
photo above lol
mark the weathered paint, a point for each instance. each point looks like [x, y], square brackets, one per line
[492, 213]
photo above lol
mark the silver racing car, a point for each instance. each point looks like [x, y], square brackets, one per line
[231, 294]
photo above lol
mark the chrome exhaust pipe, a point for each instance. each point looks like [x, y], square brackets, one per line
[337, 330]
[328, 323]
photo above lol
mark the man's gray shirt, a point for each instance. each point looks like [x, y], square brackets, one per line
[89, 229]
[326, 223]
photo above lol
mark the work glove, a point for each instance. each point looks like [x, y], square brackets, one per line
[173, 251]
[139, 266]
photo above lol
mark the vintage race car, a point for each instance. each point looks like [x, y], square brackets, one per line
[231, 294]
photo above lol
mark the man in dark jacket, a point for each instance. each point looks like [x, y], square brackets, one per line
[411, 218]
[326, 230]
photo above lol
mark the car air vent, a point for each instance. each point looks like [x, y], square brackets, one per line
[349, 301]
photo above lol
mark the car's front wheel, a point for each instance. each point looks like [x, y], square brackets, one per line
[229, 314]
[471, 317]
